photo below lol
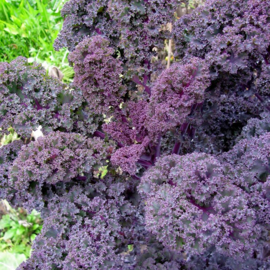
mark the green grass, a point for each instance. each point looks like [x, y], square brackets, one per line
[29, 28]
[18, 230]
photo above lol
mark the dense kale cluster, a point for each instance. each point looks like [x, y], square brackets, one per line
[30, 99]
[174, 93]
[8, 153]
[52, 163]
[85, 230]
[233, 38]
[103, 90]
[191, 205]
[141, 168]
[132, 27]
[248, 168]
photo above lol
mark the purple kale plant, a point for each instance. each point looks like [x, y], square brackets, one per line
[140, 166]
[133, 28]
[174, 93]
[191, 206]
[233, 38]
[8, 153]
[98, 73]
[85, 229]
[49, 164]
[248, 168]
[29, 99]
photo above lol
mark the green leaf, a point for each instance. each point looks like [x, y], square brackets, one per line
[9, 234]
[35, 226]
[5, 222]
[4, 246]
[12, 29]
[130, 247]
[103, 171]
[30, 218]
[10, 261]
[20, 231]
[33, 236]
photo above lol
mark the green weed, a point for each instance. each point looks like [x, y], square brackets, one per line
[18, 230]
[29, 28]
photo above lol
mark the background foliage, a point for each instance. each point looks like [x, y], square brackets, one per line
[29, 28]
[17, 231]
